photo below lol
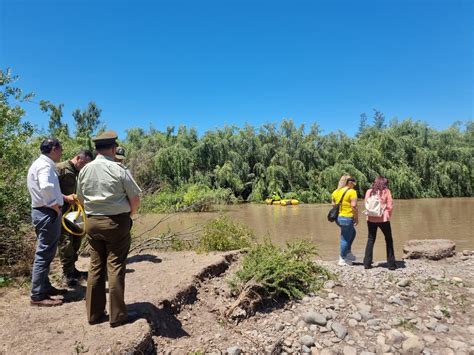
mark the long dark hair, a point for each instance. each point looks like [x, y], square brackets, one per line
[380, 184]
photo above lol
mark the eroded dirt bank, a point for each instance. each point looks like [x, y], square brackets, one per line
[156, 284]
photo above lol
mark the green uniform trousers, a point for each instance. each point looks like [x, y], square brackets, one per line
[109, 238]
[68, 249]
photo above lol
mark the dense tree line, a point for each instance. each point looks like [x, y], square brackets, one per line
[255, 163]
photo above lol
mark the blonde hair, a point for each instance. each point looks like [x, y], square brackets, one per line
[343, 181]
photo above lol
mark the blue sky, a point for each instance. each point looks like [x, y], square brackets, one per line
[205, 64]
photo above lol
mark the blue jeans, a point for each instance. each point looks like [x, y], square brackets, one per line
[348, 234]
[48, 229]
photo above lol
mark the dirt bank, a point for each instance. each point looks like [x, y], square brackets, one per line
[155, 283]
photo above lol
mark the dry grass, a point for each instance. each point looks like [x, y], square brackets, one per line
[17, 251]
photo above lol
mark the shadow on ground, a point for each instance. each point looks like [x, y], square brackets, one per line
[144, 257]
[163, 323]
[76, 294]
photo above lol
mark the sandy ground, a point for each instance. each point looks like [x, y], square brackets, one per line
[151, 280]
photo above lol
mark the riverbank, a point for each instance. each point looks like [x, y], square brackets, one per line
[423, 306]
[180, 297]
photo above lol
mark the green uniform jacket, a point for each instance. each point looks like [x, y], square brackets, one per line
[67, 175]
[106, 187]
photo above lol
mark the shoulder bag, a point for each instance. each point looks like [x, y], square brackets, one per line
[334, 211]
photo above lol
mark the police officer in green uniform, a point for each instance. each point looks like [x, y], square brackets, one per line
[120, 155]
[110, 196]
[69, 245]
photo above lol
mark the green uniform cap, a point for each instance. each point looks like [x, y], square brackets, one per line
[105, 138]
[120, 153]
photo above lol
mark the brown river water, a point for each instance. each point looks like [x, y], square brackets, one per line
[412, 219]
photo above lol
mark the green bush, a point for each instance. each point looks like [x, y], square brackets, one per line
[221, 234]
[192, 197]
[274, 272]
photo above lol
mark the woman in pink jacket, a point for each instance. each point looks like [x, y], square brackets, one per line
[379, 217]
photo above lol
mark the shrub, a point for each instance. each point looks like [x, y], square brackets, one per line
[222, 234]
[192, 197]
[269, 273]
[17, 251]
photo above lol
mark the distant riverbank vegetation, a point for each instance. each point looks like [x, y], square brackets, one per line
[178, 168]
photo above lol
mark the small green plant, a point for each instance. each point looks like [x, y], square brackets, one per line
[79, 346]
[269, 272]
[222, 234]
[445, 310]
[461, 302]
[431, 286]
[391, 278]
[5, 281]
[406, 324]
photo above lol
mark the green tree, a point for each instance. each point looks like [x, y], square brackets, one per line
[56, 127]
[87, 122]
[15, 154]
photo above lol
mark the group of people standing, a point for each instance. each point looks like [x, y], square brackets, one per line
[346, 196]
[110, 196]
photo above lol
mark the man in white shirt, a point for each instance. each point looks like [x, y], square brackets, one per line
[46, 202]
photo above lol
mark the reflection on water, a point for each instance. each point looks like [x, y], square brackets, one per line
[412, 219]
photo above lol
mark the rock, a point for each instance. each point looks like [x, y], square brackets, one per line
[381, 347]
[441, 328]
[349, 350]
[367, 353]
[312, 317]
[327, 343]
[325, 313]
[456, 279]
[412, 345]
[307, 340]
[279, 326]
[326, 351]
[339, 330]
[373, 322]
[394, 336]
[329, 284]
[457, 345]
[352, 323]
[429, 339]
[433, 249]
[363, 306]
[403, 283]
[446, 351]
[437, 314]
[431, 324]
[366, 315]
[471, 329]
[395, 300]
[357, 316]
[234, 350]
[305, 349]
[332, 296]
[467, 252]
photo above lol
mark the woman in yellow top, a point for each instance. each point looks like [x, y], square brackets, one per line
[348, 217]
